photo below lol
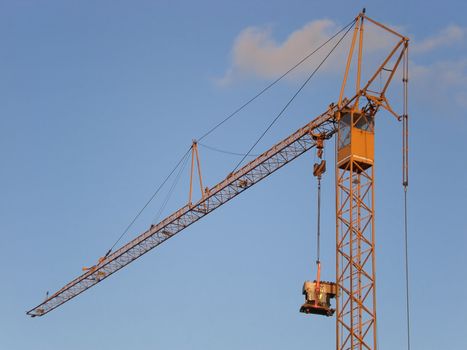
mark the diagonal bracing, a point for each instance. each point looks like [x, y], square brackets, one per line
[235, 183]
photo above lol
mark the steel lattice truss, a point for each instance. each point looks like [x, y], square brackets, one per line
[235, 183]
[355, 259]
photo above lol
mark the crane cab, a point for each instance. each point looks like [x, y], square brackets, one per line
[355, 141]
[318, 301]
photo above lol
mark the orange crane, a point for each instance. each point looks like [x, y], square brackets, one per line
[352, 121]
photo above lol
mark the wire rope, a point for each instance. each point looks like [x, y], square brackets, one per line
[170, 192]
[294, 96]
[405, 183]
[226, 152]
[407, 295]
[147, 203]
[350, 24]
[275, 81]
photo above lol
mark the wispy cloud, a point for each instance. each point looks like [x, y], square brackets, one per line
[448, 36]
[441, 81]
[256, 53]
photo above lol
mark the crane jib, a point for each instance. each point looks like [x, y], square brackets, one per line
[235, 183]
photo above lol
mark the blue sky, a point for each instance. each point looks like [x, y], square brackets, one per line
[99, 101]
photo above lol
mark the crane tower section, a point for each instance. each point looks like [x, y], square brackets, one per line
[355, 244]
[354, 171]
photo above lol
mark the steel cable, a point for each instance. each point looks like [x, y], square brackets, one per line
[147, 203]
[294, 96]
[405, 183]
[275, 81]
[348, 27]
[170, 192]
[225, 152]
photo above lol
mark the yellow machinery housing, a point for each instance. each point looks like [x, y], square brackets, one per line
[356, 139]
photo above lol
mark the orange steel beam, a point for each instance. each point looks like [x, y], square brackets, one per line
[359, 61]
[190, 193]
[386, 28]
[195, 154]
[349, 61]
[199, 170]
[235, 183]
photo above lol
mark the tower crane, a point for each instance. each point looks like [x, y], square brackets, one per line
[350, 120]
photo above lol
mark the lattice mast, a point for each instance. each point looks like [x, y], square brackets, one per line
[356, 319]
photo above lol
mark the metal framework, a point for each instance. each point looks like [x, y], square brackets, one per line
[355, 258]
[355, 217]
[235, 183]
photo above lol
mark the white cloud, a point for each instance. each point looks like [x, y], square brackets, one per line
[440, 82]
[448, 73]
[256, 53]
[446, 37]
[255, 50]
